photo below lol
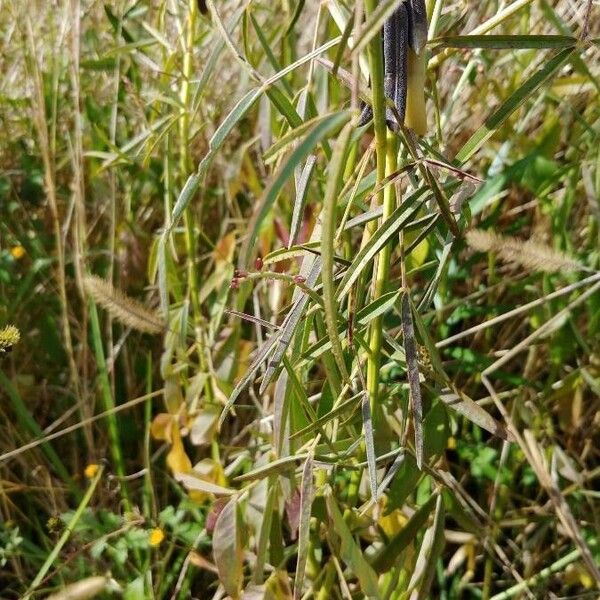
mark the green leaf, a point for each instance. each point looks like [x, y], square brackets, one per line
[430, 551]
[398, 219]
[385, 559]
[306, 499]
[500, 42]
[351, 553]
[227, 548]
[322, 130]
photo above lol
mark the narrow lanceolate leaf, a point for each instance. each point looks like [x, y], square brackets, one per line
[398, 219]
[227, 549]
[185, 196]
[501, 42]
[334, 182]
[322, 130]
[306, 499]
[468, 408]
[265, 529]
[521, 95]
[386, 557]
[300, 201]
[90, 587]
[370, 445]
[412, 368]
[455, 399]
[288, 327]
[249, 376]
[277, 466]
[196, 484]
[431, 548]
[225, 128]
[351, 553]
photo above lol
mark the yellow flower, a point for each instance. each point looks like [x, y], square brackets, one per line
[9, 336]
[17, 252]
[155, 537]
[91, 470]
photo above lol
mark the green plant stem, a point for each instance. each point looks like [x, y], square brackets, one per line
[381, 278]
[108, 401]
[375, 54]
[185, 169]
[544, 574]
[65, 536]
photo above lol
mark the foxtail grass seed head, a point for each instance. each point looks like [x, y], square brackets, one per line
[531, 255]
[9, 336]
[121, 307]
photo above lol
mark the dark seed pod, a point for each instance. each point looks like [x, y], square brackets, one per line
[366, 114]
[417, 14]
[400, 25]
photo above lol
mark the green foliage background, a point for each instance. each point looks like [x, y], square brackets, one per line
[266, 442]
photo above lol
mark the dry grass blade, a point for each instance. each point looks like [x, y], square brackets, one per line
[528, 254]
[121, 307]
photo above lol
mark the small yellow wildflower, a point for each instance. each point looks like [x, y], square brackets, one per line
[451, 445]
[17, 252]
[9, 336]
[156, 536]
[91, 470]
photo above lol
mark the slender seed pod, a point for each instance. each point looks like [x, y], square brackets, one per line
[402, 28]
[395, 32]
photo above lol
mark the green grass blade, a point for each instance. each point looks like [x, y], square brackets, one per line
[520, 96]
